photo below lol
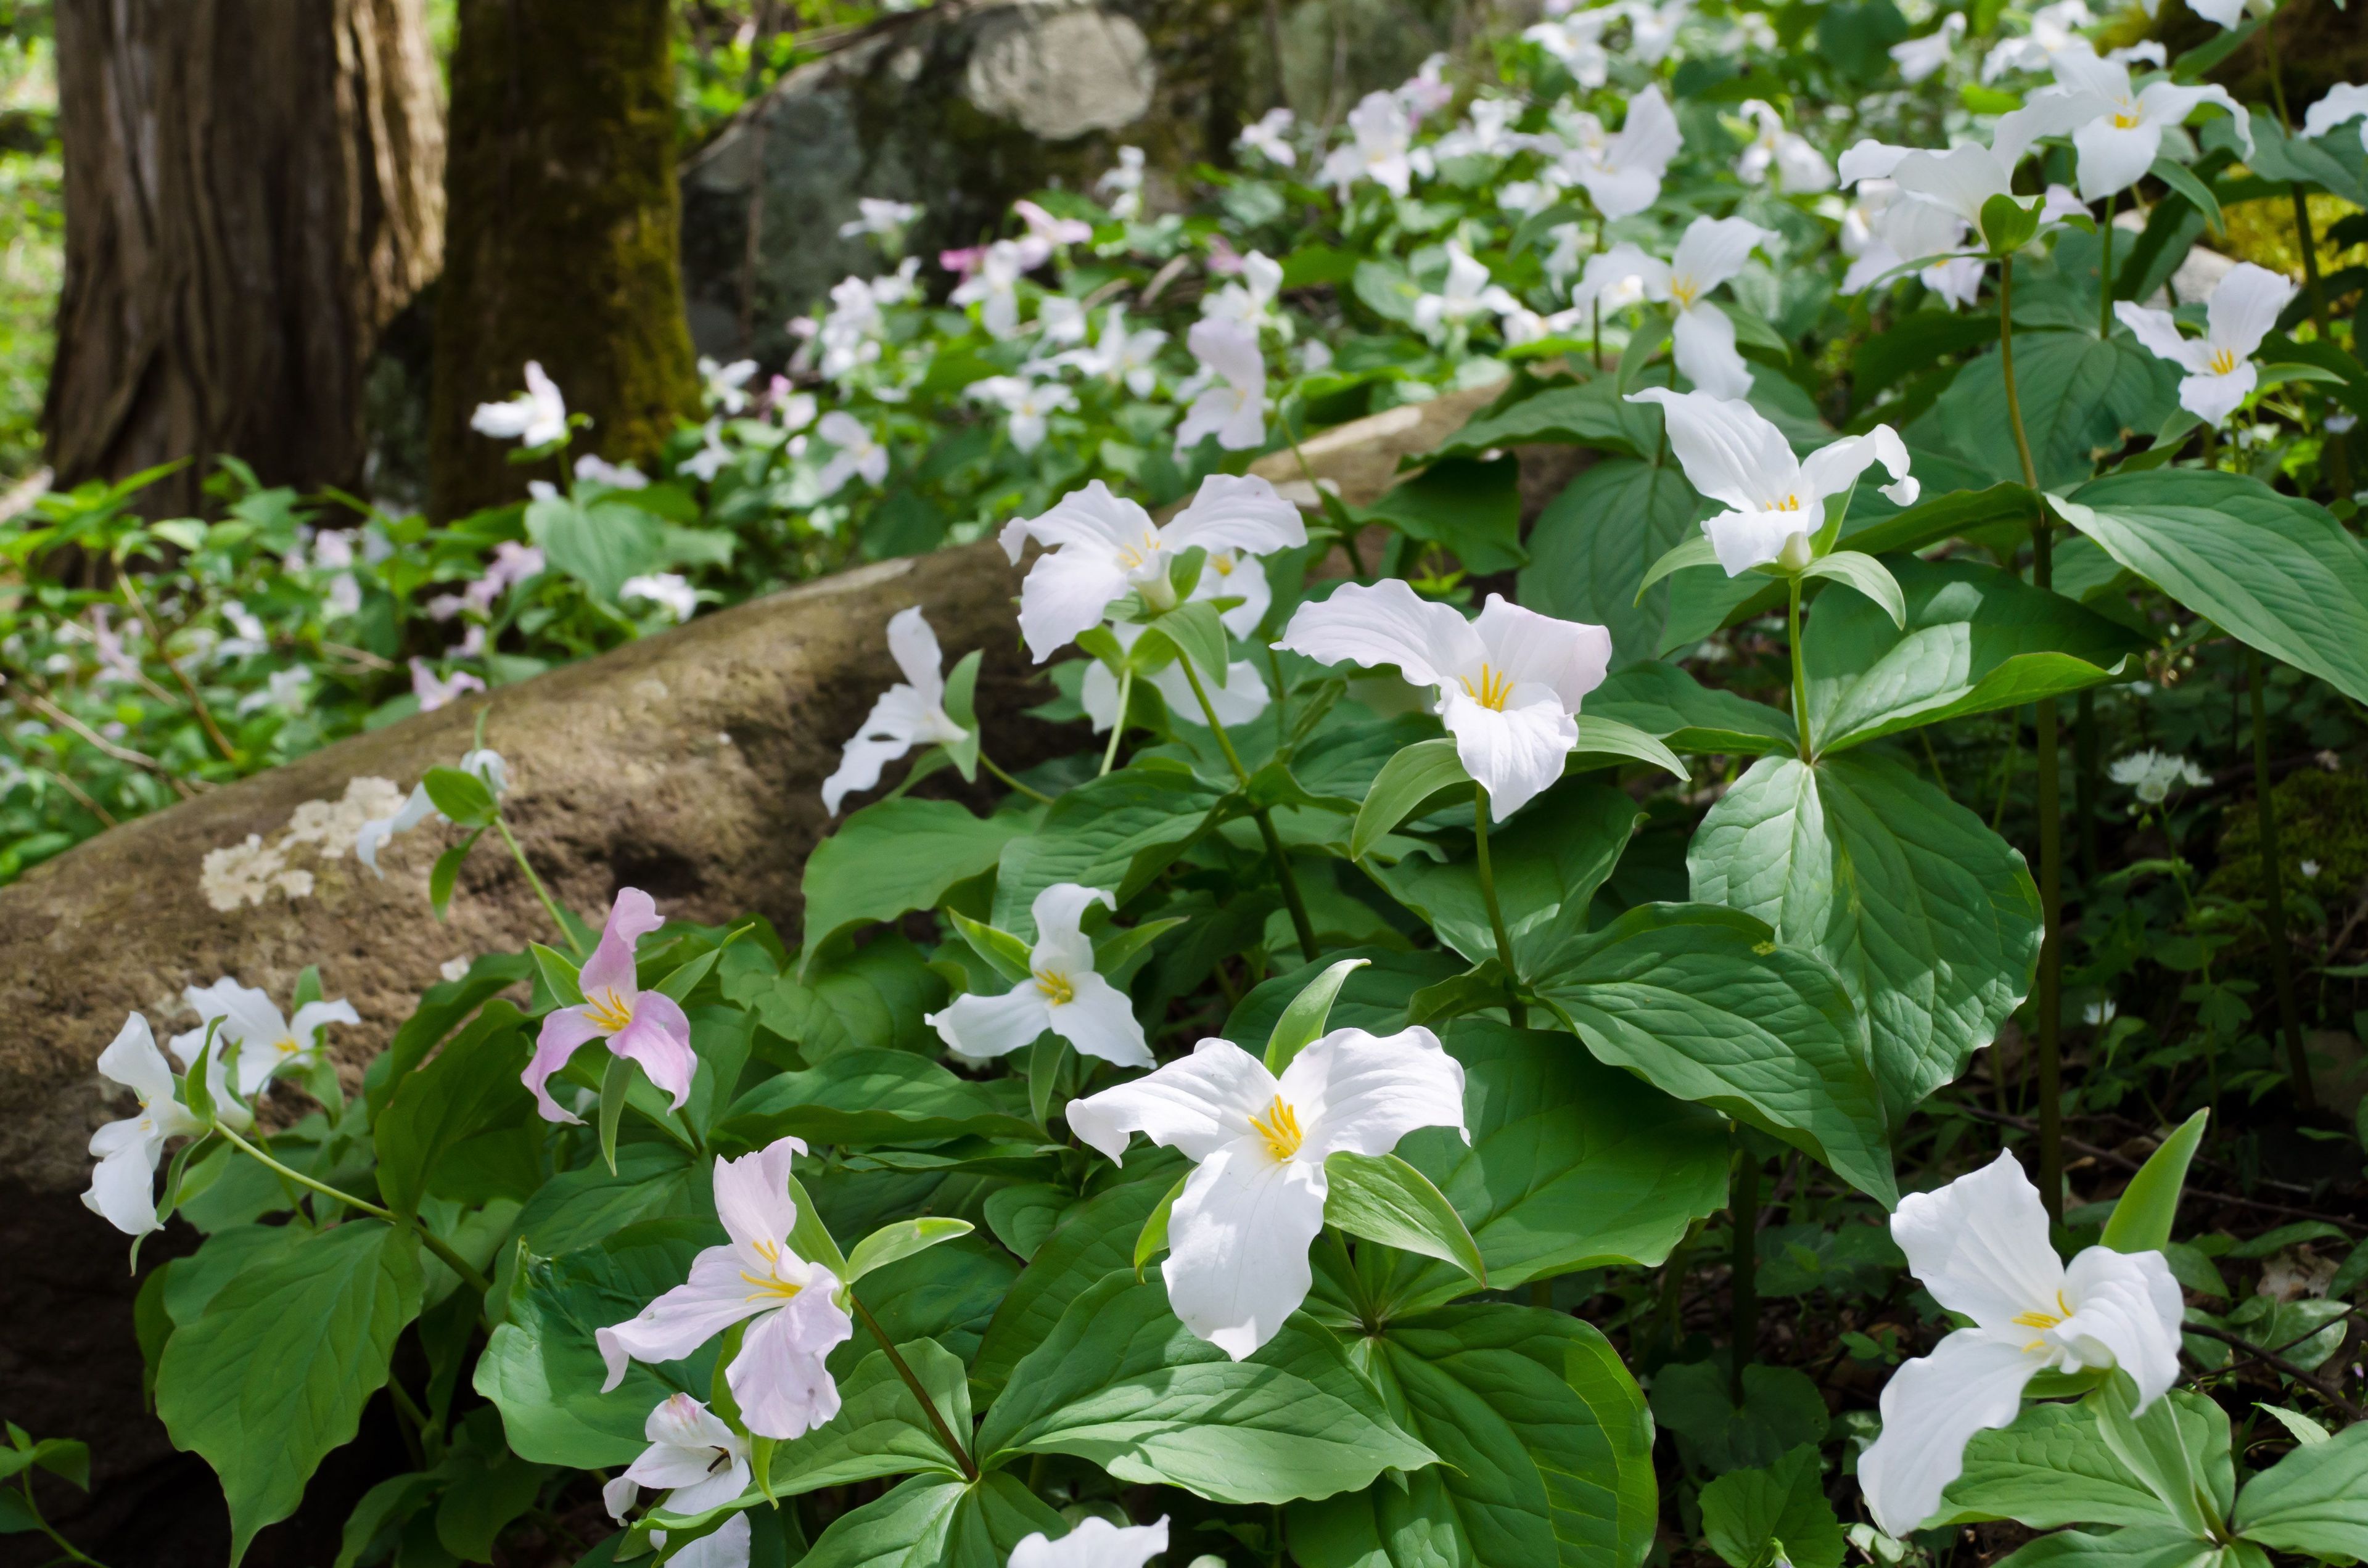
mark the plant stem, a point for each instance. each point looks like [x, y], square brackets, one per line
[2335, 460]
[1301, 925]
[2051, 804]
[953, 1444]
[2084, 780]
[1513, 1008]
[2273, 878]
[2105, 274]
[72, 1552]
[1800, 673]
[1743, 1212]
[1118, 725]
[567, 934]
[427, 1238]
[1037, 795]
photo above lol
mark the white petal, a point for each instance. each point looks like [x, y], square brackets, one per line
[1243, 578]
[860, 766]
[1623, 264]
[1515, 754]
[2127, 1306]
[2158, 332]
[2113, 158]
[1095, 1543]
[710, 1490]
[1237, 1237]
[1066, 593]
[1745, 540]
[1870, 159]
[2214, 398]
[132, 1060]
[1100, 1021]
[1386, 623]
[985, 1026]
[1834, 467]
[1362, 1093]
[1959, 180]
[1194, 1106]
[1569, 656]
[312, 1017]
[1980, 1245]
[913, 643]
[1972, 1383]
[1242, 699]
[711, 1301]
[2245, 307]
[1703, 345]
[1715, 250]
[1059, 912]
[1729, 450]
[123, 1185]
[727, 1547]
[1229, 348]
[779, 1378]
[2344, 102]
[1648, 138]
[1236, 512]
[752, 1193]
[1621, 193]
[1098, 695]
[618, 1497]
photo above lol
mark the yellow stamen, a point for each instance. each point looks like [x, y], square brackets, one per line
[1055, 987]
[1684, 291]
[2044, 1320]
[609, 1011]
[769, 1285]
[1494, 686]
[1134, 555]
[2222, 361]
[2126, 120]
[1789, 503]
[286, 1045]
[1279, 1128]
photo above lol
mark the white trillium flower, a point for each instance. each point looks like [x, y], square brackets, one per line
[854, 454]
[2052, 27]
[2343, 104]
[537, 416]
[1883, 230]
[1575, 38]
[1380, 148]
[1621, 277]
[1799, 167]
[616, 476]
[1733, 455]
[1132, 358]
[1238, 1235]
[1061, 320]
[1269, 137]
[1095, 1543]
[726, 386]
[1921, 57]
[372, 836]
[1125, 182]
[1062, 994]
[910, 713]
[1622, 174]
[1653, 29]
[712, 457]
[670, 591]
[1231, 404]
[2117, 129]
[1028, 405]
[1466, 293]
[1249, 299]
[693, 1457]
[778, 1379]
[1488, 131]
[1980, 1247]
[881, 219]
[1242, 697]
[1702, 337]
[123, 1184]
[2220, 374]
[1508, 684]
[1101, 547]
[994, 287]
[2227, 13]
[2152, 775]
[253, 1031]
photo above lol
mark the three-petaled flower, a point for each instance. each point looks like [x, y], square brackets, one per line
[123, 1184]
[910, 713]
[1063, 992]
[537, 416]
[1508, 684]
[1239, 1231]
[646, 1027]
[778, 1379]
[250, 1031]
[1980, 1247]
[693, 1457]
[2220, 374]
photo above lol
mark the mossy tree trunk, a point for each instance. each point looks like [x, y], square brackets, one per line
[565, 241]
[253, 189]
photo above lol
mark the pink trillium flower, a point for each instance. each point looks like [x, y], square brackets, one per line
[647, 1026]
[778, 1379]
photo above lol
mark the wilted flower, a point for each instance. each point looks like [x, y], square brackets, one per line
[489, 770]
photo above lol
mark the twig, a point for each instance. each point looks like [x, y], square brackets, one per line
[156, 639]
[105, 816]
[120, 753]
[2311, 1381]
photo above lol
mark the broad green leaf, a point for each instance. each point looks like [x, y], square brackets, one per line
[1302, 1024]
[469, 1095]
[441, 1008]
[462, 797]
[1387, 1200]
[2049, 1468]
[877, 997]
[1754, 1517]
[1373, 998]
[1412, 782]
[1869, 576]
[1546, 1446]
[1467, 505]
[872, 1097]
[2183, 179]
[1122, 1383]
[1572, 1164]
[1976, 639]
[2304, 160]
[1931, 919]
[895, 857]
[581, 1207]
[2177, 1447]
[1696, 549]
[2135, 1546]
[2314, 1502]
[543, 1368]
[382, 1511]
[1662, 699]
[1590, 413]
[1952, 513]
[276, 1371]
[1703, 1002]
[1601, 739]
[599, 546]
[1095, 1238]
[2078, 394]
[1782, 1410]
[1590, 548]
[2275, 570]
[489, 1487]
[2142, 1217]
[902, 1238]
[1117, 832]
[937, 1522]
[948, 1293]
[1151, 1240]
[2300, 1428]
[1196, 631]
[1547, 863]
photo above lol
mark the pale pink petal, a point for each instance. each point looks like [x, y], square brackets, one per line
[610, 968]
[752, 1193]
[715, 1297]
[659, 1039]
[563, 1029]
[779, 1378]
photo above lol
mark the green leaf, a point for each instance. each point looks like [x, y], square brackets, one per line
[2304, 160]
[1868, 575]
[2178, 1448]
[441, 1008]
[1122, 1383]
[1975, 640]
[460, 796]
[1005, 953]
[471, 1094]
[2007, 224]
[2136, 1546]
[2080, 395]
[2275, 570]
[863, 1096]
[616, 1088]
[2314, 1502]
[1095, 1238]
[892, 858]
[2183, 179]
[445, 875]
[1302, 1024]
[959, 704]
[1546, 1444]
[1590, 548]
[1387, 1200]
[1572, 1164]
[599, 546]
[1151, 1240]
[1782, 1409]
[1662, 699]
[1695, 550]
[1703, 1002]
[1599, 738]
[276, 1371]
[1931, 919]
[490, 1487]
[901, 1238]
[1589, 414]
[1409, 784]
[1754, 1517]
[1375, 997]
[1467, 505]
[1197, 630]
[2300, 1428]
[1548, 863]
[382, 1511]
[1116, 832]
[580, 1208]
[543, 1368]
[2142, 1216]
[937, 1520]
[2049, 1468]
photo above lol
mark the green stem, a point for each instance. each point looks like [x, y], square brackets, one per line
[1118, 725]
[74, 1554]
[1800, 672]
[2273, 878]
[1037, 795]
[1743, 1212]
[427, 1238]
[952, 1444]
[1513, 1008]
[1301, 925]
[2085, 760]
[550, 907]
[2105, 275]
[2006, 363]
[2335, 460]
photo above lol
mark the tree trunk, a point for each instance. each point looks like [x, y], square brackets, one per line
[253, 189]
[565, 244]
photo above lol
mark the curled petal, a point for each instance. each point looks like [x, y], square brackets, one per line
[1972, 1383]
[1386, 623]
[2129, 1308]
[913, 643]
[659, 1039]
[1100, 1021]
[1516, 754]
[1059, 912]
[123, 1184]
[1701, 342]
[1362, 1093]
[1236, 512]
[632, 916]
[1980, 1245]
[563, 1029]
[713, 1299]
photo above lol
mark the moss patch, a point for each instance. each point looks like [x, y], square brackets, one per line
[2322, 818]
